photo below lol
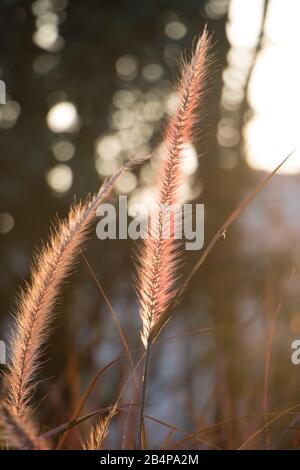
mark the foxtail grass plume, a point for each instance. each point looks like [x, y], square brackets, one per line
[158, 257]
[18, 433]
[99, 432]
[35, 311]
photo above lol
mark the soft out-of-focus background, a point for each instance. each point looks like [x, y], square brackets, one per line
[89, 84]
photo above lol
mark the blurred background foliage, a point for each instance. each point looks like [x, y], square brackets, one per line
[89, 85]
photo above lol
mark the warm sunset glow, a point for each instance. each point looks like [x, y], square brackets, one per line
[273, 94]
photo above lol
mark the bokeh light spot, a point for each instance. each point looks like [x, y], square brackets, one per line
[127, 183]
[6, 223]
[9, 114]
[60, 178]
[63, 150]
[127, 67]
[175, 30]
[108, 147]
[62, 117]
[152, 72]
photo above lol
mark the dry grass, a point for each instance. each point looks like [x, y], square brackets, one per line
[158, 258]
[99, 432]
[35, 313]
[19, 433]
[157, 287]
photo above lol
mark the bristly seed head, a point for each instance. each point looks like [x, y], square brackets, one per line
[158, 257]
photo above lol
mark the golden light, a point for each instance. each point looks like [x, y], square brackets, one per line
[273, 130]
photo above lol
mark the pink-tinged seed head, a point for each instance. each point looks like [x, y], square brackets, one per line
[158, 257]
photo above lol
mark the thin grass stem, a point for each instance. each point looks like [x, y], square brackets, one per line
[143, 396]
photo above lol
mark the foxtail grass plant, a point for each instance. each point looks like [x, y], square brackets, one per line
[99, 432]
[36, 305]
[19, 433]
[158, 257]
[157, 285]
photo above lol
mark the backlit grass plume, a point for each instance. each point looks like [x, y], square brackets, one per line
[17, 432]
[158, 258]
[99, 432]
[35, 313]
